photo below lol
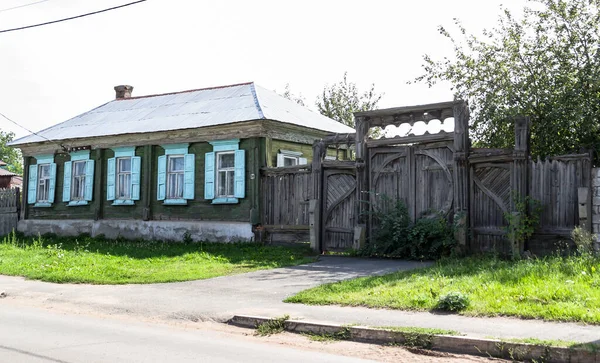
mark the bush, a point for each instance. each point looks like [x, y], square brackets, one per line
[453, 301]
[583, 239]
[395, 235]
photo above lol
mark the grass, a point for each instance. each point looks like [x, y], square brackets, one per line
[272, 326]
[593, 347]
[417, 330]
[552, 288]
[97, 261]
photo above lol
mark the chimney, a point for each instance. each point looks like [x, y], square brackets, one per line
[123, 91]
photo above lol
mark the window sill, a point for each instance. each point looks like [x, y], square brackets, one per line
[123, 202]
[42, 205]
[77, 203]
[225, 201]
[175, 202]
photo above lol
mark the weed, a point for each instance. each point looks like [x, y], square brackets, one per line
[343, 334]
[272, 326]
[418, 330]
[453, 301]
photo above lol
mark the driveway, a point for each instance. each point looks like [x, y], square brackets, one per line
[259, 292]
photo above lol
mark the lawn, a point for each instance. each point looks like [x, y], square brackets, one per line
[551, 288]
[87, 260]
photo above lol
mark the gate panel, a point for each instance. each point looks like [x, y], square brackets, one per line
[339, 202]
[433, 180]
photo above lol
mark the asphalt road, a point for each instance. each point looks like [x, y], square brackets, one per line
[32, 335]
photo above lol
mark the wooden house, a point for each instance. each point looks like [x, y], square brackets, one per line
[165, 166]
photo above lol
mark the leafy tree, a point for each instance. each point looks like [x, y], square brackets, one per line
[545, 65]
[287, 93]
[9, 155]
[340, 100]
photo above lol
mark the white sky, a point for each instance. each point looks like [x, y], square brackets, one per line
[52, 73]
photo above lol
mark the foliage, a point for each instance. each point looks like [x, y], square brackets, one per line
[396, 236]
[272, 326]
[10, 155]
[453, 301]
[419, 330]
[550, 288]
[583, 239]
[340, 100]
[545, 65]
[287, 93]
[88, 260]
[523, 222]
[344, 333]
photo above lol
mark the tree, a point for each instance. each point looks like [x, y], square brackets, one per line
[9, 155]
[287, 93]
[545, 66]
[340, 100]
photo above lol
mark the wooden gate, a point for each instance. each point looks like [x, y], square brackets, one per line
[9, 210]
[338, 206]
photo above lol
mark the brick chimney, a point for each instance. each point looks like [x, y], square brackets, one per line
[123, 91]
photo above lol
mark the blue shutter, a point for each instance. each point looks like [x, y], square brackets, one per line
[161, 189]
[188, 176]
[67, 182]
[209, 175]
[89, 180]
[239, 188]
[136, 165]
[52, 183]
[32, 184]
[111, 178]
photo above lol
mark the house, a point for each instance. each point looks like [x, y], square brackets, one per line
[9, 179]
[164, 166]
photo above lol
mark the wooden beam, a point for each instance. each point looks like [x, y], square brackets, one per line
[412, 139]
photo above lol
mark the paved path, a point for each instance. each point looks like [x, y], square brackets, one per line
[262, 292]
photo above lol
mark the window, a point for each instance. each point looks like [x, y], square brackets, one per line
[43, 187]
[175, 177]
[290, 158]
[225, 174]
[78, 183]
[41, 181]
[124, 178]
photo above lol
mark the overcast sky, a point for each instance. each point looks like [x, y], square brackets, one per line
[52, 73]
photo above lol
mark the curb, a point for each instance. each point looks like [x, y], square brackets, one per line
[445, 343]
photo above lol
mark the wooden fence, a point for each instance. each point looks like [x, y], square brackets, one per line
[285, 194]
[9, 210]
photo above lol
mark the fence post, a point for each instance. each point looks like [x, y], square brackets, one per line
[462, 145]
[316, 204]
[25, 187]
[362, 170]
[519, 177]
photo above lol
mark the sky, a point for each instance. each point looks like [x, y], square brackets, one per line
[52, 73]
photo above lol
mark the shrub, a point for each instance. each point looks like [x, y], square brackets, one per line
[453, 301]
[583, 239]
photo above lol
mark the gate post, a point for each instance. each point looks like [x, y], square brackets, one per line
[462, 145]
[362, 170]
[316, 204]
[520, 174]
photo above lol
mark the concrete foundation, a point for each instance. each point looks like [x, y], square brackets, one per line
[148, 230]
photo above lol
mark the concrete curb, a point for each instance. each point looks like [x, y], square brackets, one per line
[445, 343]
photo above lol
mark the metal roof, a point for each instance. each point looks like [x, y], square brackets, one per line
[183, 110]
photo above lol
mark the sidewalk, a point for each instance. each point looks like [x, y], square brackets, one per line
[261, 293]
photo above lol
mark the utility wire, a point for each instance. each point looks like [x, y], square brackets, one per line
[35, 133]
[22, 6]
[71, 18]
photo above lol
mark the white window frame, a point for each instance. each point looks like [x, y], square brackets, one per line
[126, 184]
[169, 173]
[284, 155]
[218, 170]
[46, 184]
[81, 179]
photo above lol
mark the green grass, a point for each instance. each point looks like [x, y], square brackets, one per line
[553, 343]
[87, 260]
[551, 288]
[417, 330]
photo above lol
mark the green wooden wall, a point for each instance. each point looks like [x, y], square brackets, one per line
[307, 151]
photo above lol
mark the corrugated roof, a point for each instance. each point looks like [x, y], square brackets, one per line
[183, 110]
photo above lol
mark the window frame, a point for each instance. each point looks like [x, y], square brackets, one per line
[178, 173]
[82, 181]
[39, 200]
[227, 170]
[118, 173]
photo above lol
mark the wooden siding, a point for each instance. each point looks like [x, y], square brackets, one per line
[285, 196]
[275, 145]
[9, 210]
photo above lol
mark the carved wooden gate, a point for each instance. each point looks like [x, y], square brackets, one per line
[339, 206]
[490, 200]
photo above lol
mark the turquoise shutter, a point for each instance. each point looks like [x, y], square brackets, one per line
[89, 180]
[136, 166]
[209, 175]
[32, 184]
[111, 166]
[188, 176]
[161, 189]
[52, 183]
[67, 182]
[239, 188]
